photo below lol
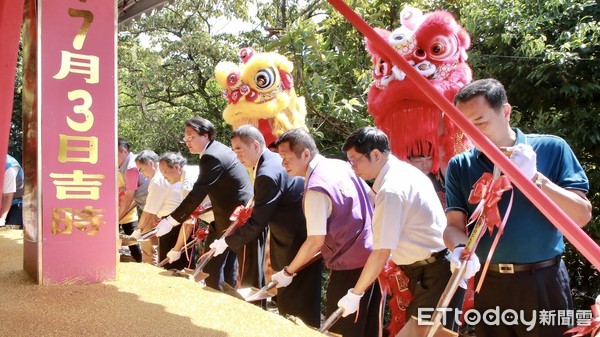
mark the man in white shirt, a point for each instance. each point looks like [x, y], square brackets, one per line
[161, 200]
[182, 176]
[408, 222]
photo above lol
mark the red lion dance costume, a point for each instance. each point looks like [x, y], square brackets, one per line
[435, 44]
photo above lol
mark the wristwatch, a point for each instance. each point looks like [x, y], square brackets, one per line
[286, 273]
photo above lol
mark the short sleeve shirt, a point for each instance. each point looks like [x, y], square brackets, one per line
[408, 217]
[528, 236]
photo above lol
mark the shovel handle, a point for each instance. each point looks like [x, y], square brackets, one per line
[258, 295]
[148, 234]
[209, 255]
[187, 245]
[458, 275]
[201, 264]
[330, 321]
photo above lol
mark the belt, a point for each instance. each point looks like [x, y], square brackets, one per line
[434, 257]
[510, 268]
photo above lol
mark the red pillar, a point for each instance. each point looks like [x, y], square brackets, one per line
[69, 128]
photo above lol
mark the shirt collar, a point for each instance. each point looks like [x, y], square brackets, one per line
[384, 170]
[520, 139]
[205, 147]
[313, 163]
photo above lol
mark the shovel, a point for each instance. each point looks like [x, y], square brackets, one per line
[189, 244]
[148, 234]
[458, 274]
[264, 293]
[199, 275]
[229, 290]
[330, 321]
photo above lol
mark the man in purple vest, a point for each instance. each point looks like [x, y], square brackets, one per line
[338, 220]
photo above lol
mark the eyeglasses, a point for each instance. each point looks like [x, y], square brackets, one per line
[355, 161]
[187, 139]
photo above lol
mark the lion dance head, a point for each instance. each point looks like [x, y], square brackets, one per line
[260, 92]
[434, 44]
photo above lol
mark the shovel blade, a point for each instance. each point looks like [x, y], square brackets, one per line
[200, 276]
[263, 293]
[229, 290]
[258, 296]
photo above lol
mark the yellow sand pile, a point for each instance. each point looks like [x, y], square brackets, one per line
[142, 302]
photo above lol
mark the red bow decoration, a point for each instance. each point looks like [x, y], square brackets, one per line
[201, 234]
[592, 327]
[393, 281]
[241, 214]
[490, 190]
[196, 213]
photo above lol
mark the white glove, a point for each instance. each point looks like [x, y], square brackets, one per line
[282, 279]
[173, 255]
[350, 302]
[137, 234]
[525, 159]
[165, 225]
[472, 268]
[219, 245]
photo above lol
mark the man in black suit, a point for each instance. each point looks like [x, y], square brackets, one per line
[228, 185]
[277, 204]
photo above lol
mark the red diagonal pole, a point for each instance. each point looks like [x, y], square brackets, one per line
[11, 17]
[559, 219]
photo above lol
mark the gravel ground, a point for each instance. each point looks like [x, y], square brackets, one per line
[143, 301]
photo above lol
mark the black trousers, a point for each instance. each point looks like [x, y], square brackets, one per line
[15, 215]
[367, 324]
[528, 292]
[167, 242]
[302, 298]
[250, 259]
[426, 284]
[136, 251]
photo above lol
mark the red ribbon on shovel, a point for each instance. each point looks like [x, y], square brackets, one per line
[489, 190]
[592, 327]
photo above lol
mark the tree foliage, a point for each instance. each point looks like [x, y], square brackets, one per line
[169, 78]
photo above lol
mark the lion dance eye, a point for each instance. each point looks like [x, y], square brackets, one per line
[437, 48]
[443, 47]
[264, 78]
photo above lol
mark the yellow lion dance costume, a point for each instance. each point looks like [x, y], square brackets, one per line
[260, 92]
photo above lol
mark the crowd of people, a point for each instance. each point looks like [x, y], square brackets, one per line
[352, 217]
